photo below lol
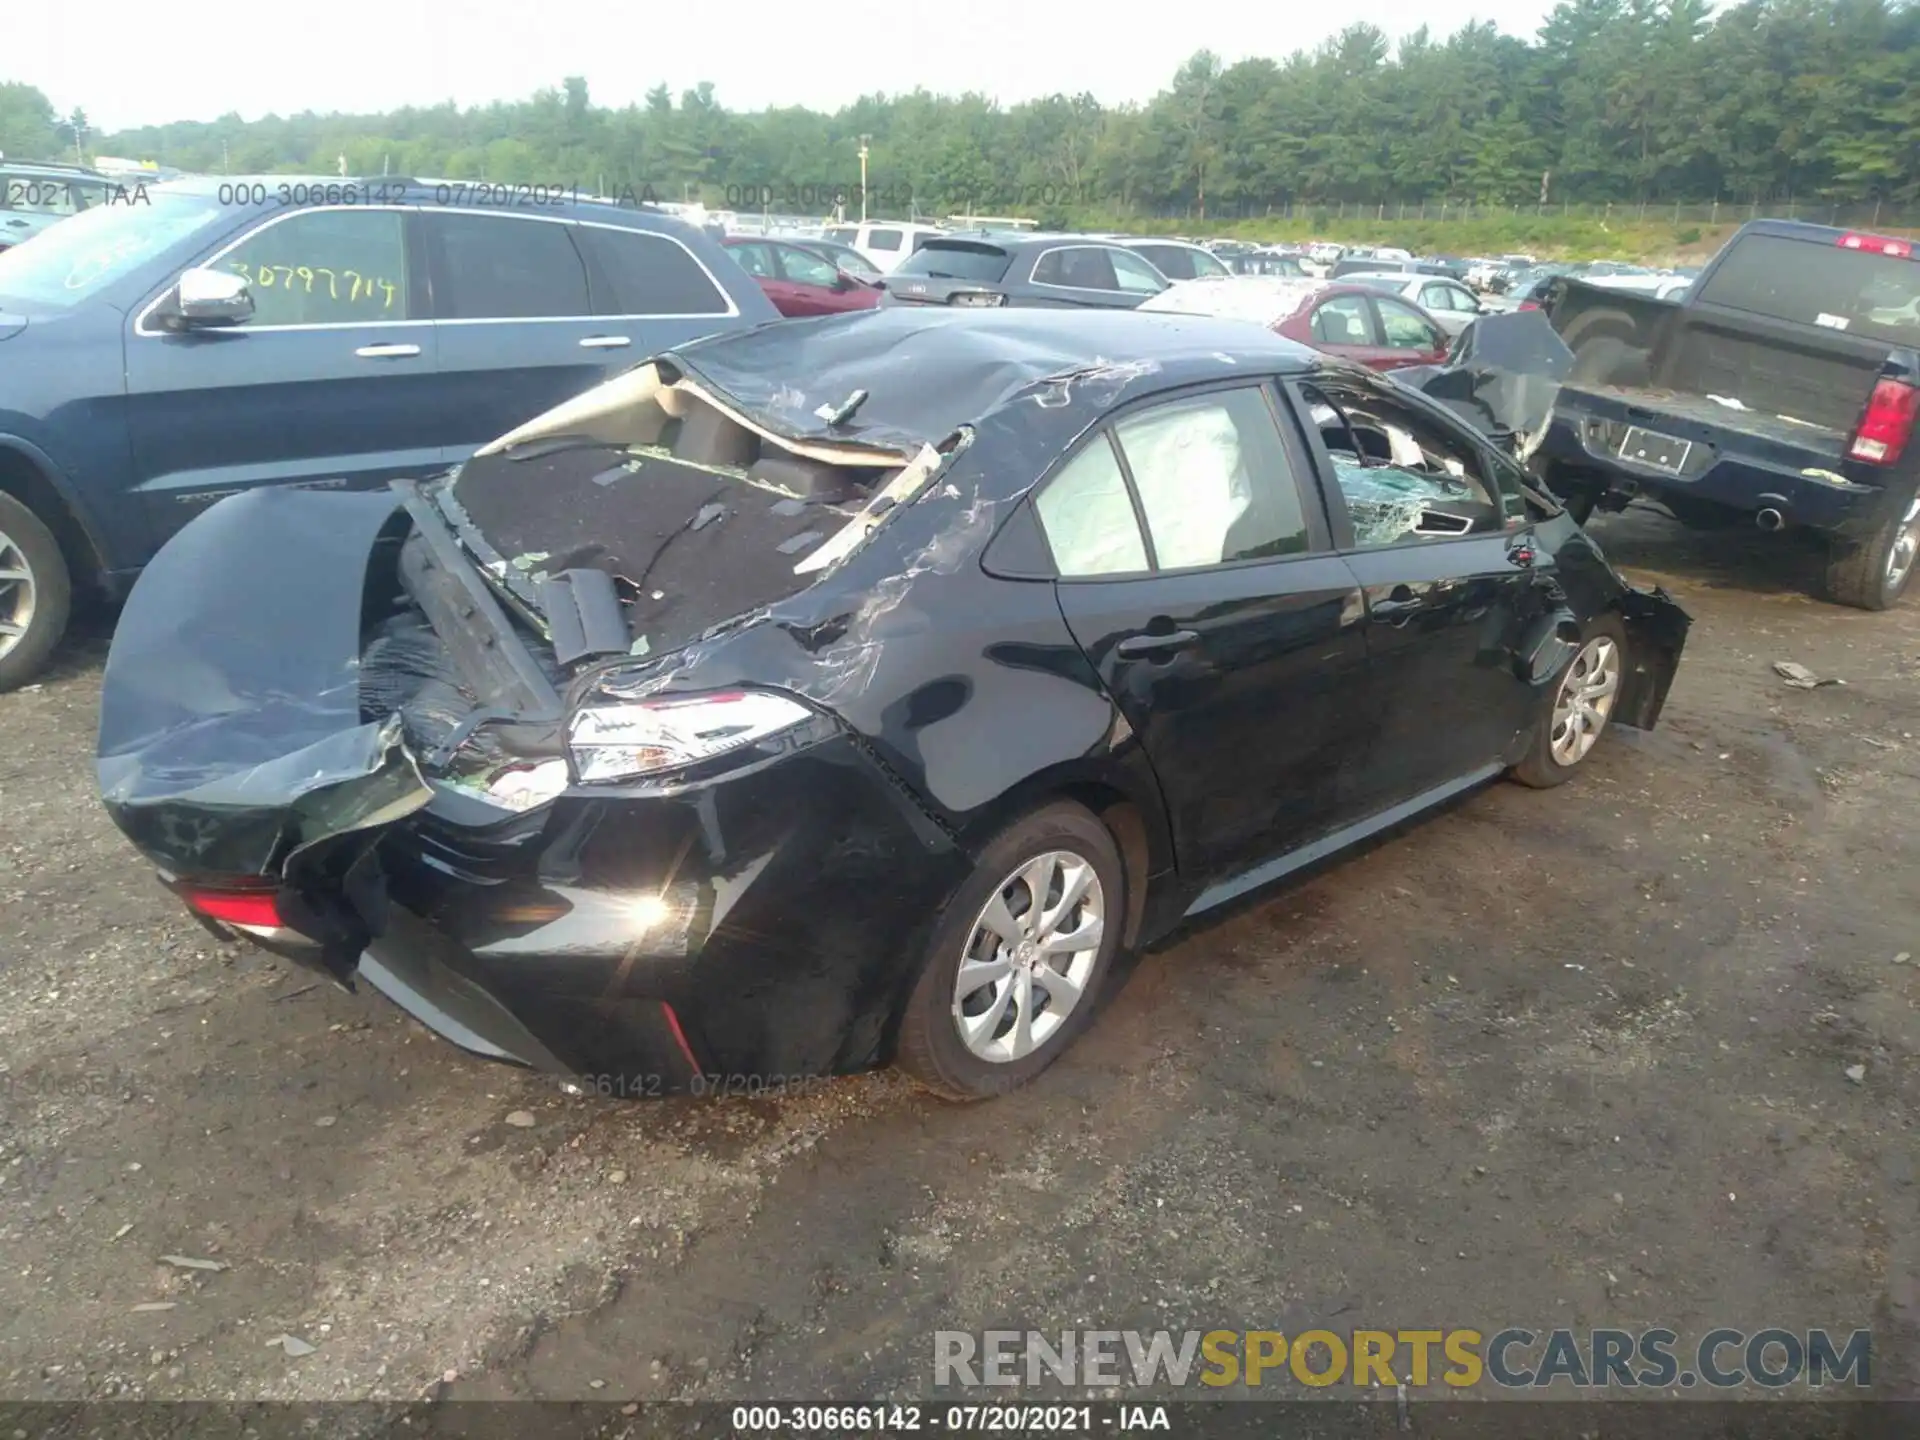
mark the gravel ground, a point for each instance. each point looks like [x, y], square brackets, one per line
[1578, 1057]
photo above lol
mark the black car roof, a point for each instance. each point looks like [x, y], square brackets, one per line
[928, 370]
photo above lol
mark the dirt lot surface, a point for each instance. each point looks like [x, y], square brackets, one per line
[1577, 1057]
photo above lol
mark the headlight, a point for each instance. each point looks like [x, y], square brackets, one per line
[643, 737]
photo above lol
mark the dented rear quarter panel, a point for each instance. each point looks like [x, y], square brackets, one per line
[891, 641]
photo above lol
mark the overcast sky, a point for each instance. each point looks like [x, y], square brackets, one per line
[131, 64]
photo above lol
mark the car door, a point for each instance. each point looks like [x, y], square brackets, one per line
[514, 320]
[1451, 305]
[756, 257]
[650, 293]
[1201, 586]
[1345, 325]
[1407, 337]
[1173, 261]
[817, 284]
[1071, 277]
[330, 383]
[1102, 277]
[1436, 530]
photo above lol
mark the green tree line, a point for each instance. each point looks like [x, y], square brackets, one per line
[1612, 101]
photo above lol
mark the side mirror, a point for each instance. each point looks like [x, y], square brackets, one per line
[212, 298]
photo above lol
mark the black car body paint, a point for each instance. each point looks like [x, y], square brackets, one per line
[765, 912]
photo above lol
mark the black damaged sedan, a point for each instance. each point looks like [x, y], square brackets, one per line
[851, 691]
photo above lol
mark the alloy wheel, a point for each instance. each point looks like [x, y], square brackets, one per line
[1585, 701]
[1029, 956]
[18, 594]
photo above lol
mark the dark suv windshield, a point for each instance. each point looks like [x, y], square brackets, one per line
[956, 260]
[1814, 283]
[80, 257]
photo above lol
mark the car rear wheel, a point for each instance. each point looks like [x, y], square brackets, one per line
[35, 593]
[1874, 575]
[1578, 707]
[1019, 957]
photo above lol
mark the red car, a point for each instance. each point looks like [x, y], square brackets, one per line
[799, 282]
[1379, 331]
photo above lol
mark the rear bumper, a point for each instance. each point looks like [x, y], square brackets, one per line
[759, 920]
[738, 935]
[766, 926]
[1806, 489]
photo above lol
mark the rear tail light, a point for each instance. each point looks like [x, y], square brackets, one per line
[257, 909]
[1887, 424]
[620, 741]
[1528, 305]
[1878, 245]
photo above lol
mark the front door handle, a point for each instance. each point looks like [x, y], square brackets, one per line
[605, 342]
[1136, 646]
[387, 352]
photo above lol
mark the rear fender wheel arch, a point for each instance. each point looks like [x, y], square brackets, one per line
[1067, 847]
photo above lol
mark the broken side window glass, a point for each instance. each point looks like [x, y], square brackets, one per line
[1410, 478]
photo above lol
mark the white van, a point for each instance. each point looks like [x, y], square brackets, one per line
[885, 242]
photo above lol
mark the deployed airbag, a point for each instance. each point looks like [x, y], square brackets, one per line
[1187, 465]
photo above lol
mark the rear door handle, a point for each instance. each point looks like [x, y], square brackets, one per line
[386, 352]
[605, 342]
[1135, 646]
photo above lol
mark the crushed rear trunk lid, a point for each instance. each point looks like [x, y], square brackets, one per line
[1502, 377]
[658, 507]
[231, 729]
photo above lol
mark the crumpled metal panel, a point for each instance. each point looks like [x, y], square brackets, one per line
[1502, 376]
[231, 729]
[928, 371]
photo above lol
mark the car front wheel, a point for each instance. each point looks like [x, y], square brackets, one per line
[35, 593]
[1019, 957]
[1578, 706]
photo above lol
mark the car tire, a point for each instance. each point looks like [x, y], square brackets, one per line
[1060, 846]
[1554, 755]
[1873, 574]
[44, 597]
